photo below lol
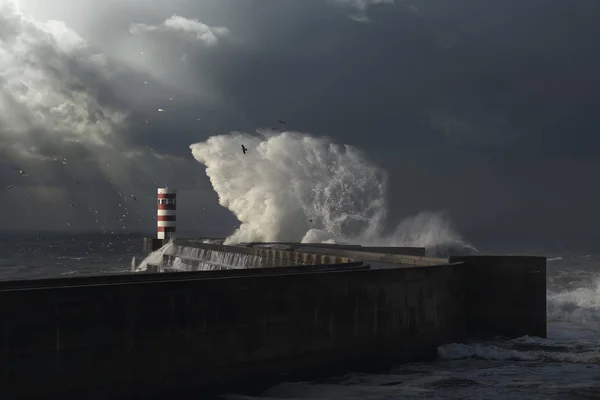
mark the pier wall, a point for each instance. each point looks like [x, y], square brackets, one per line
[139, 334]
[144, 336]
[392, 258]
[277, 257]
[505, 295]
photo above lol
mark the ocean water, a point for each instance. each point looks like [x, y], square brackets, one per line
[564, 366]
[43, 255]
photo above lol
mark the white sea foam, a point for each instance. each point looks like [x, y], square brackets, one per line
[291, 186]
[156, 257]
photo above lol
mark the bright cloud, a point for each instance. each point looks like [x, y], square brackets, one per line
[49, 85]
[190, 29]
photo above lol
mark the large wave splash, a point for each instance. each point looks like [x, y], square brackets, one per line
[292, 186]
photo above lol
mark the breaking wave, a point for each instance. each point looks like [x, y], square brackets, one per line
[291, 186]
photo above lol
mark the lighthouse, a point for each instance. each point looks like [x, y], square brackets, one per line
[166, 220]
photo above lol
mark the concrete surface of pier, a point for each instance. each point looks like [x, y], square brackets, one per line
[141, 334]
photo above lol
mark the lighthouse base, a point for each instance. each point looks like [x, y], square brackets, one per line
[152, 244]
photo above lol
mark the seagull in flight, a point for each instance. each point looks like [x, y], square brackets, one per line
[21, 171]
[282, 122]
[244, 149]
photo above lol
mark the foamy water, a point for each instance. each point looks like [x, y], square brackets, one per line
[154, 258]
[291, 186]
[295, 187]
[196, 259]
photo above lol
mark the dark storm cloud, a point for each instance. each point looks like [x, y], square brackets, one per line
[507, 75]
[485, 74]
[442, 94]
[529, 63]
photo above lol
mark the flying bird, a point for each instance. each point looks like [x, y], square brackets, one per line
[21, 171]
[244, 149]
[281, 122]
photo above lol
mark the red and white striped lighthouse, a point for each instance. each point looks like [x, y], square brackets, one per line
[166, 220]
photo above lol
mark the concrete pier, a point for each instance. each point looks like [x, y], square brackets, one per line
[145, 334]
[506, 296]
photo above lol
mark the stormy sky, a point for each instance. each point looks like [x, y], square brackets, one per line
[487, 110]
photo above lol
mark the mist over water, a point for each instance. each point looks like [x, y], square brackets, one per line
[291, 186]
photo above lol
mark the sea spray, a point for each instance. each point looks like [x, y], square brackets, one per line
[291, 186]
[579, 305]
[156, 257]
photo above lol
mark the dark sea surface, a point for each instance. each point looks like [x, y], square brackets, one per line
[43, 255]
[564, 366]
